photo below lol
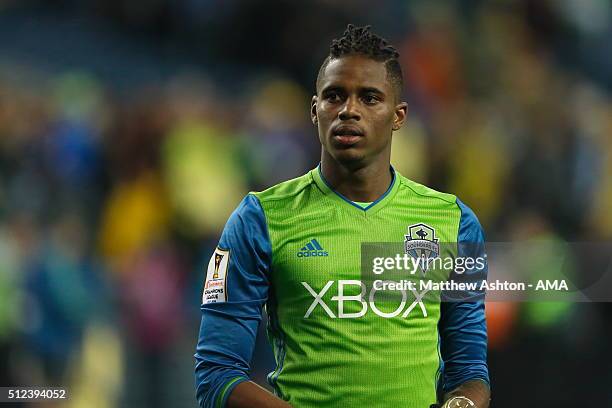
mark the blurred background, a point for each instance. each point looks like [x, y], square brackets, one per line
[129, 131]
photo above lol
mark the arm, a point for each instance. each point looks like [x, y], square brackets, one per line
[477, 391]
[235, 290]
[462, 326]
[248, 394]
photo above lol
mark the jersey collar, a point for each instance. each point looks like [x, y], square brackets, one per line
[374, 207]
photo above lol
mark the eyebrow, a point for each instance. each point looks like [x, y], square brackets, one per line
[372, 90]
[364, 89]
[331, 88]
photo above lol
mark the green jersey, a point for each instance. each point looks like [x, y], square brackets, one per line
[297, 249]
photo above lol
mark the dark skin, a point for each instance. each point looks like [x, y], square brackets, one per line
[475, 390]
[356, 110]
[250, 395]
[355, 95]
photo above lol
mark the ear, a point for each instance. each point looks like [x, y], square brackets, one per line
[313, 110]
[401, 110]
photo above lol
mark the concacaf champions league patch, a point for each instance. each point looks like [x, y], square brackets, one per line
[215, 289]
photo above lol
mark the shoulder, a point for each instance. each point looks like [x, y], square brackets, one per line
[248, 218]
[286, 190]
[467, 214]
[470, 228]
[422, 192]
[419, 194]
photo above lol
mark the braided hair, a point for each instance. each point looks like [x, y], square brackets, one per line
[361, 41]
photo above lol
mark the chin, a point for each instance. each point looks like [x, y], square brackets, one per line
[349, 157]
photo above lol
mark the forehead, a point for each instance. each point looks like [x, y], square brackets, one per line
[356, 71]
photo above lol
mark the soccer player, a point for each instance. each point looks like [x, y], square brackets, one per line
[295, 250]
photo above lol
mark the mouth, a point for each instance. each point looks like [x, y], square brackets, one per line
[347, 135]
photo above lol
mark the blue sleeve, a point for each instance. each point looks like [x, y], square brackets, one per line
[462, 326]
[235, 290]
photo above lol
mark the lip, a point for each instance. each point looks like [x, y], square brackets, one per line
[347, 140]
[347, 135]
[347, 130]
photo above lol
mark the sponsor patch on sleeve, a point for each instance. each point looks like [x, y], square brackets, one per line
[215, 290]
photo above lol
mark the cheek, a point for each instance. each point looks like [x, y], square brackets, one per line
[326, 114]
[383, 119]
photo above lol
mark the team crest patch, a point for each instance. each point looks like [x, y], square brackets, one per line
[215, 290]
[421, 242]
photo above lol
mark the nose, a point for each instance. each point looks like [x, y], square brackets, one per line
[349, 110]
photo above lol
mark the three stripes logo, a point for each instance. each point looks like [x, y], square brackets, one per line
[312, 248]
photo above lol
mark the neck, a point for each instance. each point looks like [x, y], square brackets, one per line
[362, 183]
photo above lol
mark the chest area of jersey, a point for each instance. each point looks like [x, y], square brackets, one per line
[334, 259]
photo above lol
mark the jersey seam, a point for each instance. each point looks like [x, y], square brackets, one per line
[286, 195]
[263, 211]
[459, 225]
[279, 342]
[279, 349]
[440, 370]
[449, 201]
[440, 374]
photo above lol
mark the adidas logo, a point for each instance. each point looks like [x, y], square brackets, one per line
[313, 248]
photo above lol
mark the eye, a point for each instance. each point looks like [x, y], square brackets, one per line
[332, 97]
[370, 99]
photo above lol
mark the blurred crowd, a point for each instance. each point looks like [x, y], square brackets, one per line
[113, 198]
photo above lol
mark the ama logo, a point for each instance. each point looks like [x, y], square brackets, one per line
[312, 248]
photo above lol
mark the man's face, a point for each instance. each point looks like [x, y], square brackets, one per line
[356, 110]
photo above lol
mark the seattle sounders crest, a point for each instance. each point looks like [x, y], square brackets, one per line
[421, 242]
